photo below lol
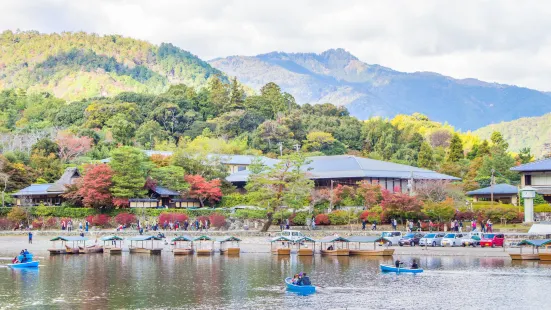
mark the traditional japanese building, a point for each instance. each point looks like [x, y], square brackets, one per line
[503, 193]
[48, 194]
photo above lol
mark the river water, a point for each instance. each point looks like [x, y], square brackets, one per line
[255, 281]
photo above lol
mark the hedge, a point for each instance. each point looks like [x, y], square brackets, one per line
[544, 207]
[250, 214]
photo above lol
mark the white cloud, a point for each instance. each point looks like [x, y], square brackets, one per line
[496, 41]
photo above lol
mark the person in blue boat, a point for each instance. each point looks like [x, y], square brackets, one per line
[414, 265]
[305, 280]
[295, 279]
[397, 263]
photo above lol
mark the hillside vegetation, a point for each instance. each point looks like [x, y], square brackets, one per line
[81, 65]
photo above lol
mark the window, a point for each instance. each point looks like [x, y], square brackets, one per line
[528, 179]
[241, 168]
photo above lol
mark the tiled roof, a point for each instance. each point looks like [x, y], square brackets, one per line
[499, 189]
[345, 166]
[165, 191]
[540, 165]
[35, 189]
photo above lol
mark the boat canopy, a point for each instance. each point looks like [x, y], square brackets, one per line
[111, 238]
[281, 238]
[182, 238]
[143, 238]
[329, 239]
[365, 239]
[536, 243]
[304, 238]
[203, 238]
[69, 238]
[228, 239]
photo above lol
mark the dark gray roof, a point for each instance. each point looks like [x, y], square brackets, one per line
[35, 189]
[67, 178]
[540, 165]
[499, 189]
[165, 191]
[346, 166]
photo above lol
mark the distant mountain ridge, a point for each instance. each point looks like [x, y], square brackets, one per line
[82, 65]
[339, 77]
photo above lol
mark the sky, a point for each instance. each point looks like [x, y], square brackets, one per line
[496, 41]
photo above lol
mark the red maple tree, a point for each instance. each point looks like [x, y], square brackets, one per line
[95, 185]
[370, 193]
[203, 190]
[400, 204]
[71, 146]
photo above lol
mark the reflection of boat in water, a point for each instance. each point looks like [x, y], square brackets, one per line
[303, 289]
[90, 249]
[388, 268]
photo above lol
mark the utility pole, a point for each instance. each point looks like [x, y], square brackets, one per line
[410, 184]
[492, 186]
[280, 148]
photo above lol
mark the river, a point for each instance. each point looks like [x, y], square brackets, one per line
[255, 281]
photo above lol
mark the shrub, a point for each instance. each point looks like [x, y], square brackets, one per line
[250, 214]
[42, 210]
[17, 214]
[544, 207]
[339, 217]
[298, 218]
[50, 222]
[4, 211]
[125, 219]
[233, 200]
[101, 220]
[322, 219]
[73, 212]
[465, 215]
[203, 218]
[6, 224]
[38, 223]
[172, 217]
[217, 220]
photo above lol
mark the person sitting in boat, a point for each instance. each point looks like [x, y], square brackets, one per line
[330, 248]
[305, 280]
[397, 263]
[15, 260]
[295, 279]
[414, 265]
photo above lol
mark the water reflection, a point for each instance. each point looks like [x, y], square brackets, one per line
[256, 281]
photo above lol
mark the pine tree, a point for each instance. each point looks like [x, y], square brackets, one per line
[425, 158]
[483, 149]
[237, 95]
[456, 149]
[499, 143]
[219, 94]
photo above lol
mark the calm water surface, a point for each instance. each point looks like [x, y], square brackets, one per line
[101, 281]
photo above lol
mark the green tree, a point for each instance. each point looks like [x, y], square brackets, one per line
[499, 144]
[48, 167]
[219, 95]
[284, 184]
[425, 158]
[149, 132]
[318, 141]
[171, 177]
[237, 96]
[525, 155]
[46, 147]
[455, 152]
[501, 163]
[483, 149]
[122, 129]
[130, 167]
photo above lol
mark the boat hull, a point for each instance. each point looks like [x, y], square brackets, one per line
[57, 251]
[545, 257]
[114, 250]
[518, 256]
[284, 251]
[33, 264]
[145, 251]
[205, 252]
[337, 252]
[302, 289]
[90, 250]
[305, 252]
[182, 251]
[367, 252]
[230, 251]
[387, 268]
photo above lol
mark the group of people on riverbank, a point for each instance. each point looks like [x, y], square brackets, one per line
[301, 279]
[68, 225]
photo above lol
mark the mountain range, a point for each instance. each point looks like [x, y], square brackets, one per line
[339, 77]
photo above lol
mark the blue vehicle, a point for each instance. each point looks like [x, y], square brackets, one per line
[26, 261]
[388, 268]
[302, 289]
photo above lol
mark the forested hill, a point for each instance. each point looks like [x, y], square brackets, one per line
[80, 65]
[531, 132]
[366, 90]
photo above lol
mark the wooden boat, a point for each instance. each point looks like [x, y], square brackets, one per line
[535, 255]
[388, 268]
[56, 251]
[90, 249]
[283, 250]
[229, 245]
[334, 250]
[33, 264]
[112, 248]
[365, 252]
[201, 249]
[187, 249]
[143, 250]
[545, 256]
[70, 250]
[526, 256]
[303, 250]
[302, 289]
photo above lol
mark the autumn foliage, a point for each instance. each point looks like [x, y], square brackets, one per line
[203, 190]
[95, 186]
[217, 220]
[400, 204]
[99, 220]
[71, 146]
[172, 217]
[322, 219]
[125, 219]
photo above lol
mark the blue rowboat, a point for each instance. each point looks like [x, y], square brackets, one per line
[387, 268]
[303, 289]
[25, 265]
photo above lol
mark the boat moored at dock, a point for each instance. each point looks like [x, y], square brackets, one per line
[183, 245]
[339, 246]
[284, 249]
[112, 248]
[229, 245]
[357, 241]
[204, 245]
[142, 248]
[75, 241]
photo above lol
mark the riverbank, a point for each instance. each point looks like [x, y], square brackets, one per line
[249, 245]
